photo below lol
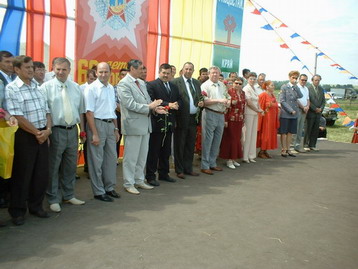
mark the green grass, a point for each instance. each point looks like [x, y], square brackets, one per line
[338, 132]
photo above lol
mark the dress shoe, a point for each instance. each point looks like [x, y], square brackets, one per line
[207, 171]
[55, 207]
[75, 201]
[314, 149]
[307, 149]
[168, 179]
[230, 164]
[18, 221]
[252, 161]
[153, 182]
[104, 198]
[236, 163]
[291, 154]
[245, 161]
[132, 190]
[41, 214]
[77, 177]
[268, 155]
[181, 175]
[144, 186]
[194, 174]
[216, 168]
[262, 155]
[113, 194]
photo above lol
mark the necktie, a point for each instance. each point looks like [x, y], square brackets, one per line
[192, 91]
[166, 84]
[137, 83]
[66, 106]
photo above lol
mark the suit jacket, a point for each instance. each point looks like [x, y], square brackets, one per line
[135, 112]
[157, 90]
[288, 100]
[316, 101]
[183, 114]
[13, 76]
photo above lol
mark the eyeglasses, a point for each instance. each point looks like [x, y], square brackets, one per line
[238, 83]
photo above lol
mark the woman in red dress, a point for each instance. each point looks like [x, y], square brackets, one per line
[268, 123]
[231, 147]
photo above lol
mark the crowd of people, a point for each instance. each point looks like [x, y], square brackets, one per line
[236, 119]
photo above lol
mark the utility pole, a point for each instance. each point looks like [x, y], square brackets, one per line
[315, 62]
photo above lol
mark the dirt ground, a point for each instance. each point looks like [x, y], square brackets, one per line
[279, 213]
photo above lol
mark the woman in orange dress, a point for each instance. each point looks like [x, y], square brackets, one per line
[231, 147]
[268, 123]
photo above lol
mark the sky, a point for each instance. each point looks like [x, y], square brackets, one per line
[330, 25]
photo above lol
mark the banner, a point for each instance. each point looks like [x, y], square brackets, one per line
[228, 28]
[112, 31]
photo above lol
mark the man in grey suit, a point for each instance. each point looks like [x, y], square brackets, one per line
[317, 103]
[186, 120]
[136, 108]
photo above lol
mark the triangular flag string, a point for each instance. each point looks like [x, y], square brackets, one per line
[268, 26]
[258, 9]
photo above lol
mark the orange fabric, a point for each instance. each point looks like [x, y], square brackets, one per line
[152, 38]
[35, 29]
[165, 28]
[269, 123]
[58, 29]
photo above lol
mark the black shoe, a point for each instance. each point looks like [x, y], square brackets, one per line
[168, 179]
[77, 177]
[113, 194]
[18, 221]
[153, 182]
[103, 197]
[40, 214]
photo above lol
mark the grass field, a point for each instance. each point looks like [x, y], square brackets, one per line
[341, 133]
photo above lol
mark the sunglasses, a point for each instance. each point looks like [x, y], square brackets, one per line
[238, 83]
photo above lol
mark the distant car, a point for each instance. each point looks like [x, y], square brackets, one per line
[330, 115]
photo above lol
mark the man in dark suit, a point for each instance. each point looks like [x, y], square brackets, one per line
[163, 126]
[317, 103]
[185, 131]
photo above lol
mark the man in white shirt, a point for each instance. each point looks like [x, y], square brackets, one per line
[304, 105]
[102, 135]
[216, 99]
[65, 100]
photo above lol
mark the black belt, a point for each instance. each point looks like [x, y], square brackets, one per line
[219, 112]
[105, 120]
[65, 127]
[41, 129]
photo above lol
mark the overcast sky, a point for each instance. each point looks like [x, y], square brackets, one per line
[330, 25]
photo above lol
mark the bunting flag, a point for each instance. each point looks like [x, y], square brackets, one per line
[343, 113]
[295, 35]
[295, 58]
[284, 46]
[268, 16]
[267, 27]
[338, 109]
[348, 122]
[334, 106]
[304, 67]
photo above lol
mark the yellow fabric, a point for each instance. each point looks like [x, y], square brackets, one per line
[7, 140]
[191, 33]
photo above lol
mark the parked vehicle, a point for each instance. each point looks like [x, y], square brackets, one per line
[330, 115]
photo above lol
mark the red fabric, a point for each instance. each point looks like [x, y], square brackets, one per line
[165, 28]
[269, 123]
[58, 29]
[355, 134]
[231, 147]
[152, 38]
[35, 29]
[198, 139]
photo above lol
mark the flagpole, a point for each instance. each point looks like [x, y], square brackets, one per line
[315, 62]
